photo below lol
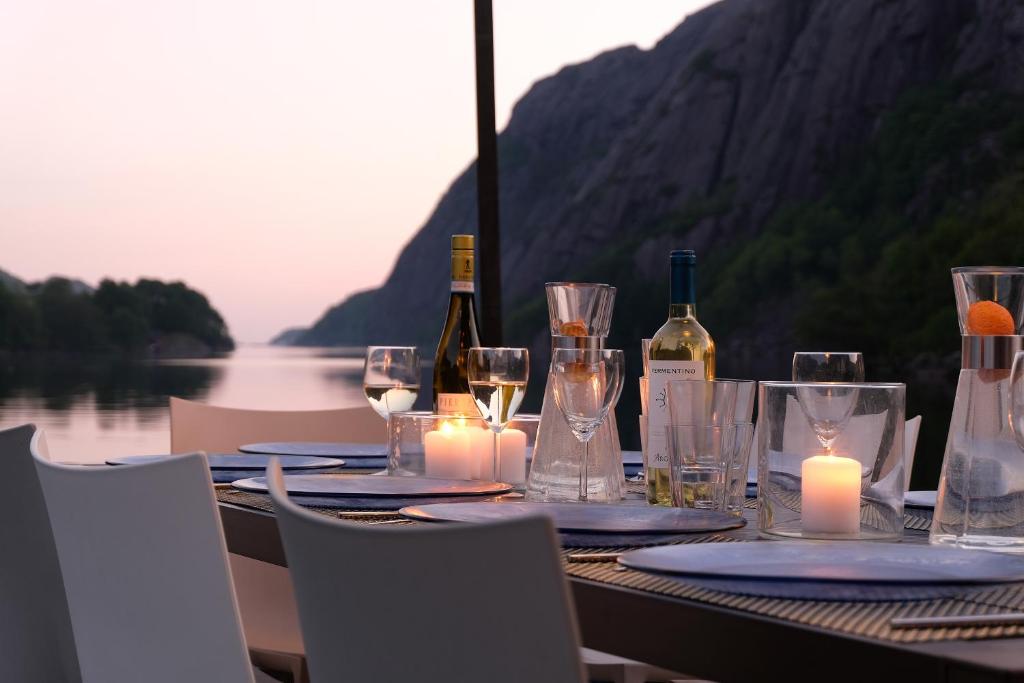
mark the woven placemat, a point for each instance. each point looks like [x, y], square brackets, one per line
[262, 501]
[865, 619]
[914, 519]
[917, 519]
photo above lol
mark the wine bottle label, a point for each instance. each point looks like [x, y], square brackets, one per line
[462, 270]
[658, 418]
[456, 404]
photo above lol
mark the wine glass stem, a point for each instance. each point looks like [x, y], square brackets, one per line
[583, 471]
[496, 461]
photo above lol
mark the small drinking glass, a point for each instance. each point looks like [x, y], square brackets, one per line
[699, 459]
[738, 467]
[1017, 399]
[828, 366]
[587, 384]
[391, 378]
[497, 381]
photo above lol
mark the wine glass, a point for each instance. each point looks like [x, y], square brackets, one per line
[497, 382]
[587, 384]
[828, 366]
[1017, 399]
[828, 407]
[391, 378]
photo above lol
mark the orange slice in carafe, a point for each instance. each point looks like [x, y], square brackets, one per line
[573, 328]
[987, 318]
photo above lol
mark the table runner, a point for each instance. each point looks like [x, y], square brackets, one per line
[865, 619]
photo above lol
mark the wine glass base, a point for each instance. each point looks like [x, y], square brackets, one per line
[862, 535]
[999, 544]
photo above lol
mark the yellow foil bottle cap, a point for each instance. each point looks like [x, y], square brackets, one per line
[462, 242]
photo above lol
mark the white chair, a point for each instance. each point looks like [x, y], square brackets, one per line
[265, 596]
[36, 641]
[438, 604]
[913, 428]
[145, 572]
[215, 429]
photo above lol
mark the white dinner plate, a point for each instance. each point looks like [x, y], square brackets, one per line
[920, 499]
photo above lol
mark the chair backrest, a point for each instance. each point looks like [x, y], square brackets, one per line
[201, 427]
[36, 641]
[145, 572]
[433, 604]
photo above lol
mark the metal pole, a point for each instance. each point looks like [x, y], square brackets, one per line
[487, 177]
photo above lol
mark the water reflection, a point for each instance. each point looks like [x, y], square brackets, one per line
[93, 409]
[61, 384]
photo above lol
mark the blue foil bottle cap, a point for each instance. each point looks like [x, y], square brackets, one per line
[683, 280]
[687, 256]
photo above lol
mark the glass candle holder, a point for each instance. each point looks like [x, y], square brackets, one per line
[422, 444]
[830, 460]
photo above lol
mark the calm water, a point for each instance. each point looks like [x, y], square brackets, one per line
[94, 409]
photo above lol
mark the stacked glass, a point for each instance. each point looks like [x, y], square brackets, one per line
[580, 316]
[709, 439]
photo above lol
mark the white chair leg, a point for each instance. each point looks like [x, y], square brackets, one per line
[602, 666]
[270, 620]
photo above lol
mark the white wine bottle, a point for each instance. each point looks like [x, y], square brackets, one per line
[451, 380]
[680, 349]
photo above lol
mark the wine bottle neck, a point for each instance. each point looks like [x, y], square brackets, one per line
[682, 288]
[462, 297]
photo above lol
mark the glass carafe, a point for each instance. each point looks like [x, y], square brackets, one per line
[580, 318]
[980, 500]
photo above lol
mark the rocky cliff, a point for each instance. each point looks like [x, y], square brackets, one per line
[827, 159]
[744, 107]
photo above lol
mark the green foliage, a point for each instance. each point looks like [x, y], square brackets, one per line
[21, 326]
[867, 265]
[118, 316]
[71, 320]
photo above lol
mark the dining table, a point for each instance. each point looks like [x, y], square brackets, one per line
[681, 626]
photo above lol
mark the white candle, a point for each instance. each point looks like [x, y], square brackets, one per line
[830, 495]
[481, 446]
[447, 453]
[513, 457]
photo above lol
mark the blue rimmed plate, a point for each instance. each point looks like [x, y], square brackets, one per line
[323, 449]
[824, 570]
[236, 461]
[370, 486]
[590, 518]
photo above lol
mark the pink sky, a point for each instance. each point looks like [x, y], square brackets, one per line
[274, 155]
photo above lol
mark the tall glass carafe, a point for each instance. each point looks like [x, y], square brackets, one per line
[581, 315]
[981, 491]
